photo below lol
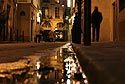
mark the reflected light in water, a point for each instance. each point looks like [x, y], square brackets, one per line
[76, 82]
[37, 65]
[62, 80]
[68, 81]
[84, 76]
[46, 77]
[86, 81]
[38, 75]
[55, 57]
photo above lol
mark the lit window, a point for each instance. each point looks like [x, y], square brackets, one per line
[57, 1]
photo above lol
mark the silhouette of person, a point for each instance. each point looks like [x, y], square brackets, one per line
[96, 21]
[51, 36]
[37, 33]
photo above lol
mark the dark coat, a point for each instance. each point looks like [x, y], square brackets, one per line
[96, 17]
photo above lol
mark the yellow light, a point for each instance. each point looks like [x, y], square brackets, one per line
[73, 3]
[86, 81]
[55, 57]
[38, 18]
[84, 76]
[68, 3]
[38, 75]
[38, 65]
[68, 81]
[62, 80]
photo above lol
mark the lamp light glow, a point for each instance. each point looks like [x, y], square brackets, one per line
[68, 3]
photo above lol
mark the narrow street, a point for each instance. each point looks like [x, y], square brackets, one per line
[18, 57]
[53, 63]
[14, 51]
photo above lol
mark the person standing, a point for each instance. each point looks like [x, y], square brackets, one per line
[96, 21]
[37, 33]
[51, 36]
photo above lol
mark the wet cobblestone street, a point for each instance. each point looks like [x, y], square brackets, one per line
[49, 66]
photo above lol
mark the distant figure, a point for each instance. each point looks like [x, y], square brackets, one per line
[41, 32]
[51, 36]
[96, 21]
[37, 33]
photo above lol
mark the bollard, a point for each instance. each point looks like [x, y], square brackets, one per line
[22, 36]
[11, 36]
[17, 35]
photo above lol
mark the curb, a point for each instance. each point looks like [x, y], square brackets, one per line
[95, 73]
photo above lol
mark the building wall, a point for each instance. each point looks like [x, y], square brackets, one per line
[51, 7]
[8, 32]
[26, 23]
[121, 25]
[23, 21]
[112, 26]
[118, 21]
[121, 22]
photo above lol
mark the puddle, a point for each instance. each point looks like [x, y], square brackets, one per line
[59, 66]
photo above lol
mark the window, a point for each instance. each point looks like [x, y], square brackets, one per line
[45, 12]
[1, 4]
[47, 1]
[56, 12]
[121, 5]
[22, 13]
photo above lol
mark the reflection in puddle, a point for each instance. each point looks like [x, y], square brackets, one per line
[62, 67]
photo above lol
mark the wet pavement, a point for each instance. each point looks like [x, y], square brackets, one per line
[103, 62]
[61, 66]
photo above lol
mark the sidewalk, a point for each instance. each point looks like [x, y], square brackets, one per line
[103, 63]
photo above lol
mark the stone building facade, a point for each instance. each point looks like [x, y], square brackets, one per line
[52, 15]
[7, 19]
[52, 11]
[27, 11]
